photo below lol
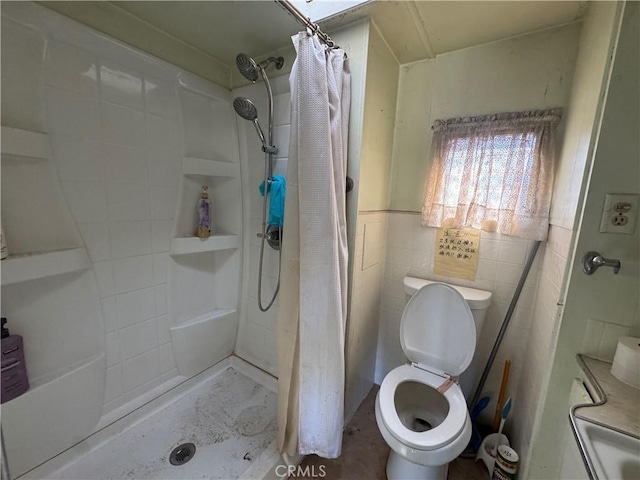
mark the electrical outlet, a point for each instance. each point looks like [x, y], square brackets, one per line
[620, 213]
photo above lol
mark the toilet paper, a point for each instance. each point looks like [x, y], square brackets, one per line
[626, 362]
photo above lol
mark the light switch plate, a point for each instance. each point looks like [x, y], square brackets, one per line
[620, 213]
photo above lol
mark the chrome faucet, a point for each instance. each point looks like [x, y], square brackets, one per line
[591, 261]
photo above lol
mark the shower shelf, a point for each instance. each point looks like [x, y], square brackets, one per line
[212, 168]
[25, 144]
[187, 245]
[212, 315]
[22, 267]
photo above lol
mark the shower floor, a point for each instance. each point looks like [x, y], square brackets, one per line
[227, 414]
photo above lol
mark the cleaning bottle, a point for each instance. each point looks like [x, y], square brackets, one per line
[204, 214]
[14, 380]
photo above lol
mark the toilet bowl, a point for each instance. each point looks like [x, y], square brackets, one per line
[420, 412]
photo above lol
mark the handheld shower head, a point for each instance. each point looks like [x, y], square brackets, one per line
[250, 69]
[247, 110]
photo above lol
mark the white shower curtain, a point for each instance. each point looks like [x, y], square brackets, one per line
[313, 302]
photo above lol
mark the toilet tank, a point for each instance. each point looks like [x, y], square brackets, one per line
[478, 300]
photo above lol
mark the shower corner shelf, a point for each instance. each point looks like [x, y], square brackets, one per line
[31, 266]
[187, 245]
[25, 144]
[212, 168]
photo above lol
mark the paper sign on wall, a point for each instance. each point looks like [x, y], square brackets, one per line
[457, 253]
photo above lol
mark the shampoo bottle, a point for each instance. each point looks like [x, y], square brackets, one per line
[204, 214]
[14, 381]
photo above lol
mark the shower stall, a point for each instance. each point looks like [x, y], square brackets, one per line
[130, 321]
[149, 350]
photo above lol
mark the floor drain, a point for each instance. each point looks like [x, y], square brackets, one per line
[182, 454]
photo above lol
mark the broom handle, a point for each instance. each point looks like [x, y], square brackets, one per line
[503, 391]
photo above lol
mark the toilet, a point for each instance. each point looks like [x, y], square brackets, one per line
[421, 410]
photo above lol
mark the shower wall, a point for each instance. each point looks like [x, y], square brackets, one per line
[122, 191]
[256, 340]
[132, 139]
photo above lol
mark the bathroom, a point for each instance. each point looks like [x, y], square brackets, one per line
[115, 114]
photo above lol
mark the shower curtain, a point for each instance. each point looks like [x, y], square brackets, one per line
[313, 303]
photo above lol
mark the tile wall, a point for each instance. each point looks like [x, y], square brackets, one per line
[610, 301]
[114, 122]
[410, 251]
[594, 53]
[256, 340]
[546, 312]
[117, 148]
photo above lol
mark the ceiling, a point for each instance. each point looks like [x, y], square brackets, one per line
[220, 28]
[414, 30]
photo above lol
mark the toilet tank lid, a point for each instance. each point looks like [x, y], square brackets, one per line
[477, 299]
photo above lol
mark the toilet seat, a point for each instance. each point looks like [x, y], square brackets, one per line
[437, 330]
[445, 432]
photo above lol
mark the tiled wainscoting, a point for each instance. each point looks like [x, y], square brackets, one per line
[542, 334]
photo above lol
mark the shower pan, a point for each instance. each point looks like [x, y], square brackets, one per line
[245, 108]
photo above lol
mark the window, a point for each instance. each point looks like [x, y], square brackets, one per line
[493, 173]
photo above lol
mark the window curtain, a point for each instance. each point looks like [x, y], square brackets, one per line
[493, 173]
[313, 303]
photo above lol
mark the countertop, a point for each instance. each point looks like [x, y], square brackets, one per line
[621, 407]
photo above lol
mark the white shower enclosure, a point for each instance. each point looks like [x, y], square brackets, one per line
[104, 152]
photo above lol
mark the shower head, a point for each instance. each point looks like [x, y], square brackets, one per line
[245, 108]
[247, 66]
[250, 69]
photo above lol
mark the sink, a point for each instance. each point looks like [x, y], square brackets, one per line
[613, 455]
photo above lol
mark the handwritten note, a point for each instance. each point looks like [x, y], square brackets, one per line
[457, 253]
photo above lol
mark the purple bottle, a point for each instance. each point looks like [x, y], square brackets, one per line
[12, 366]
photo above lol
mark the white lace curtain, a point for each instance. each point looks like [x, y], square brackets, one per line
[493, 173]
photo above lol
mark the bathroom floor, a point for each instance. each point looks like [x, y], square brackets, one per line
[364, 452]
[231, 419]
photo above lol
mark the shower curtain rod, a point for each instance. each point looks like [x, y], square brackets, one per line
[307, 23]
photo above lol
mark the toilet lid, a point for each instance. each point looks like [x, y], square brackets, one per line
[437, 330]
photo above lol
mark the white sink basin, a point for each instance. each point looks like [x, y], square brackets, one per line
[614, 455]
